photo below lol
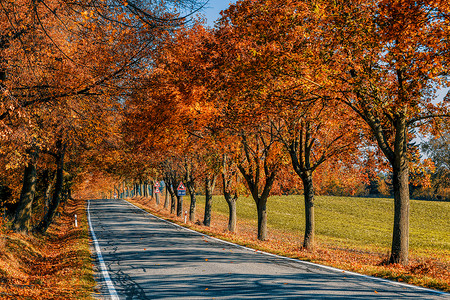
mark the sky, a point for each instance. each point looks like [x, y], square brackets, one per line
[213, 8]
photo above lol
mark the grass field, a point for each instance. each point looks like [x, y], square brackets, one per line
[351, 220]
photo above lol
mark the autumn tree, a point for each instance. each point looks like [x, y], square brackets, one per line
[274, 62]
[55, 52]
[390, 59]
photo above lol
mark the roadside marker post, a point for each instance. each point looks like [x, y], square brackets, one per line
[76, 221]
[185, 216]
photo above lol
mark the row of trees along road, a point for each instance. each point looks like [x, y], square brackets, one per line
[297, 83]
[65, 69]
[278, 92]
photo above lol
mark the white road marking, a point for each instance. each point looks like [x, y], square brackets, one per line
[109, 283]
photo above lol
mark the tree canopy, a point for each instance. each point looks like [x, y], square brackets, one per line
[280, 97]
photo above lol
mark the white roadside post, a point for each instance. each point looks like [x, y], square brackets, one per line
[76, 221]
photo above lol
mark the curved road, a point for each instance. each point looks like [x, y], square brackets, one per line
[148, 258]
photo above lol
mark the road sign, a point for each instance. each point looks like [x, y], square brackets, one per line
[157, 184]
[181, 187]
[157, 190]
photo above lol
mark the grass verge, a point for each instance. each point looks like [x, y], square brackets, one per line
[56, 265]
[365, 251]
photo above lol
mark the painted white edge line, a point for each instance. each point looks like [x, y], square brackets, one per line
[298, 260]
[108, 281]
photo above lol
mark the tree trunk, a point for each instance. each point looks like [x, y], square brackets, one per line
[179, 206]
[157, 199]
[48, 191]
[262, 219]
[144, 189]
[192, 207]
[172, 197]
[190, 185]
[57, 193]
[172, 203]
[260, 201]
[232, 217]
[22, 218]
[166, 200]
[308, 242]
[231, 200]
[152, 191]
[209, 188]
[400, 235]
[397, 156]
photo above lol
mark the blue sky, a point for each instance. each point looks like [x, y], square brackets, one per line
[213, 8]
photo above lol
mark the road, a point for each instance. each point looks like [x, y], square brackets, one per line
[147, 258]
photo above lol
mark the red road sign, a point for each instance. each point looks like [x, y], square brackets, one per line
[157, 191]
[181, 187]
[157, 184]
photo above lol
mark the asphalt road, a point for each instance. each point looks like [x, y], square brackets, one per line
[147, 258]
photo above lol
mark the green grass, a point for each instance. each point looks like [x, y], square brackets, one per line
[365, 222]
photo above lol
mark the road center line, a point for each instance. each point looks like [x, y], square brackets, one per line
[109, 283]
